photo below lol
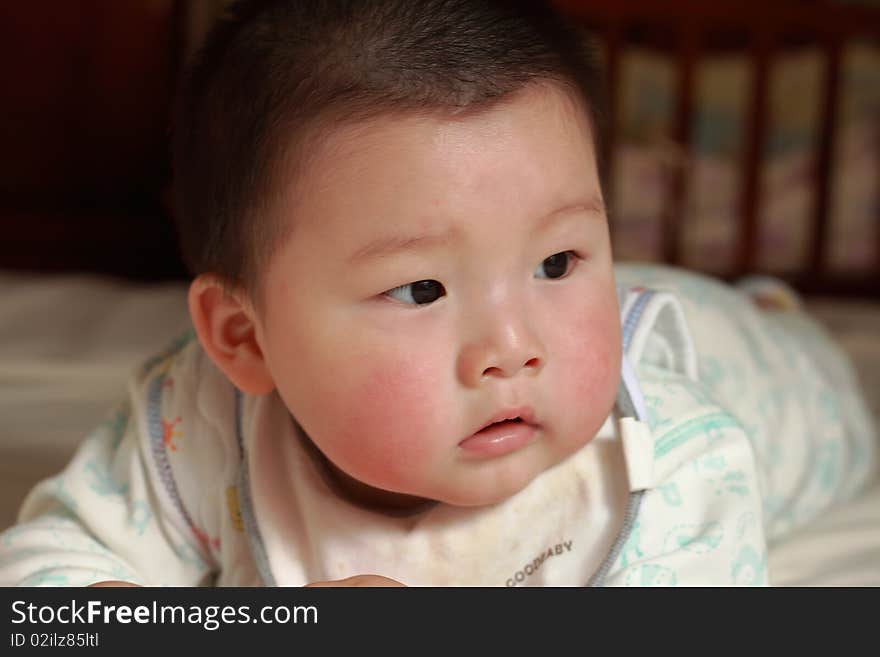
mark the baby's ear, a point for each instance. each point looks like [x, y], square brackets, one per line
[225, 323]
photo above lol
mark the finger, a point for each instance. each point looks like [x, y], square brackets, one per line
[359, 581]
[111, 584]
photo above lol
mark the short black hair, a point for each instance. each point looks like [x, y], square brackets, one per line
[271, 70]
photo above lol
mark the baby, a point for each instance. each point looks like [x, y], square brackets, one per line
[413, 358]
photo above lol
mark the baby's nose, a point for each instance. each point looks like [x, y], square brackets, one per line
[510, 349]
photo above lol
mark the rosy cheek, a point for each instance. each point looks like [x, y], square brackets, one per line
[595, 347]
[385, 435]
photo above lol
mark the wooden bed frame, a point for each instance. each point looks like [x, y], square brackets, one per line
[689, 29]
[85, 169]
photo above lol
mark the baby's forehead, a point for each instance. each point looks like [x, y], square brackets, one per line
[336, 140]
[415, 174]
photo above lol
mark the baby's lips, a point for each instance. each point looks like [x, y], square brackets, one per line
[526, 414]
[498, 439]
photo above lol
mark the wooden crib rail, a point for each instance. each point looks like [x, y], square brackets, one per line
[692, 28]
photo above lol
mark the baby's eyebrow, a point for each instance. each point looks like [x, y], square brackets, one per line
[384, 247]
[387, 246]
[593, 205]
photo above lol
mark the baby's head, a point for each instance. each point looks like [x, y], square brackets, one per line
[395, 216]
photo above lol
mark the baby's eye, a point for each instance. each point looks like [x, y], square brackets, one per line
[557, 265]
[419, 293]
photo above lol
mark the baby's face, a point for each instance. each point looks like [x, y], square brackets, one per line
[441, 274]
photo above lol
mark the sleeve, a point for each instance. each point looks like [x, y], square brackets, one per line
[100, 519]
[788, 386]
[701, 523]
[795, 395]
[696, 519]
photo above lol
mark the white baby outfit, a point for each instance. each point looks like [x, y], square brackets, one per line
[732, 427]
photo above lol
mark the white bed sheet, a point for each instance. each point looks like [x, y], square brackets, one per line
[68, 344]
[67, 347]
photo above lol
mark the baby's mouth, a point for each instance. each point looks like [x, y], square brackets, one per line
[507, 431]
[509, 416]
[516, 420]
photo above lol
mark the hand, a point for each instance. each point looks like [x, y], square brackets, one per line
[356, 580]
[112, 584]
[360, 581]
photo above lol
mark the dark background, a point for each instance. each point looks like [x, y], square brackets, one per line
[88, 86]
[84, 173]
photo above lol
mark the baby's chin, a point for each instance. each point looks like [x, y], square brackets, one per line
[487, 492]
[415, 500]
[471, 484]
[499, 482]
[459, 492]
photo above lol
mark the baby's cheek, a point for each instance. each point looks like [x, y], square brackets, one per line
[600, 370]
[594, 366]
[388, 432]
